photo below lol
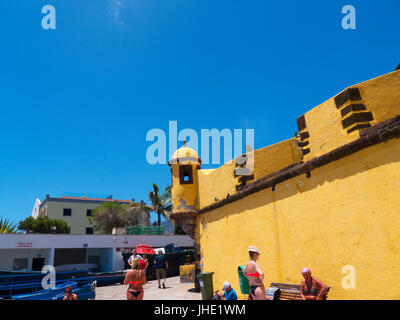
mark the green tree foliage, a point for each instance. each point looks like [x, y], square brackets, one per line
[43, 225]
[112, 214]
[107, 216]
[137, 213]
[161, 203]
[7, 226]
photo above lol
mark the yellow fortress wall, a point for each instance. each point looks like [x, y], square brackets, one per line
[380, 96]
[346, 213]
[334, 209]
[220, 182]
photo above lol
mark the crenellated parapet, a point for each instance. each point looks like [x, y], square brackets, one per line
[325, 133]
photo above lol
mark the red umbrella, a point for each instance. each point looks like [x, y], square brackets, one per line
[145, 249]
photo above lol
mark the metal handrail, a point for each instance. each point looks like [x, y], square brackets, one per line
[33, 286]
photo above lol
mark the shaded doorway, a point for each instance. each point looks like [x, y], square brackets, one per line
[37, 264]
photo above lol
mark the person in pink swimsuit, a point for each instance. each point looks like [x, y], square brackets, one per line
[135, 279]
[311, 288]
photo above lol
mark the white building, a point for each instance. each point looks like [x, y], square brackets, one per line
[33, 251]
[75, 211]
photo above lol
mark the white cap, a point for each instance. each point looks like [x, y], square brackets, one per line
[253, 249]
[226, 286]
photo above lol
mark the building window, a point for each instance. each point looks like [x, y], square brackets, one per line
[88, 213]
[89, 230]
[20, 264]
[67, 212]
[185, 174]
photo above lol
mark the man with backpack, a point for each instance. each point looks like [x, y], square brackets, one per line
[161, 265]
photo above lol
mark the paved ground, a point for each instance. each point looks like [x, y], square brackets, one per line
[174, 291]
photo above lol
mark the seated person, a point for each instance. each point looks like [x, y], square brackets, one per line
[311, 288]
[229, 293]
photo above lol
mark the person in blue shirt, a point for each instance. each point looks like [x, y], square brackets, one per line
[229, 293]
[161, 265]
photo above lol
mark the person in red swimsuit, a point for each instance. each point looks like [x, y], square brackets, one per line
[311, 288]
[144, 263]
[253, 273]
[135, 278]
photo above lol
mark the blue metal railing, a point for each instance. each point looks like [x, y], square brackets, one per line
[26, 283]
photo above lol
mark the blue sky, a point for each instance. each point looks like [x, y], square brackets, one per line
[78, 101]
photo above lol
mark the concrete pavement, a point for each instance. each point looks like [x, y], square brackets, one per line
[174, 291]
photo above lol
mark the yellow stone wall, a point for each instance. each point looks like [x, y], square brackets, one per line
[216, 183]
[273, 158]
[325, 129]
[219, 182]
[381, 96]
[346, 213]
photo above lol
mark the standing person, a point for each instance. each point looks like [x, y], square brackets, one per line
[134, 256]
[144, 265]
[229, 293]
[135, 279]
[68, 295]
[253, 273]
[161, 265]
[126, 254]
[311, 288]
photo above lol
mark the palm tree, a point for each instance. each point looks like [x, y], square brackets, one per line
[161, 204]
[7, 226]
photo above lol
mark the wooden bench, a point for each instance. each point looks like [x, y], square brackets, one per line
[288, 292]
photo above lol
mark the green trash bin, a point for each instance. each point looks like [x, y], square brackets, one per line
[243, 281]
[206, 285]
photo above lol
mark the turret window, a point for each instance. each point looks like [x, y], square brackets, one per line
[185, 175]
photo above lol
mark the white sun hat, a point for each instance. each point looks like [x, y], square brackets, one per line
[253, 249]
